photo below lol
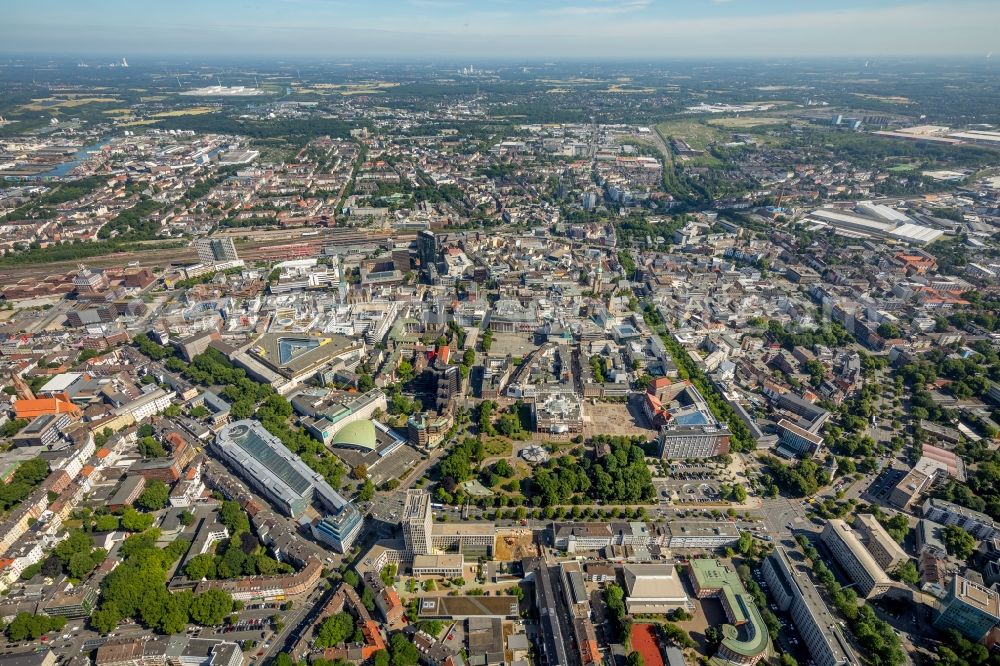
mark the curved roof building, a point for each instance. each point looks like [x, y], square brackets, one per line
[534, 454]
[359, 434]
[745, 639]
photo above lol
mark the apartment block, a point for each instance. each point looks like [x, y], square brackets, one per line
[787, 574]
[886, 551]
[870, 579]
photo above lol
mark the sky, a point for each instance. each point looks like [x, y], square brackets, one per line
[510, 29]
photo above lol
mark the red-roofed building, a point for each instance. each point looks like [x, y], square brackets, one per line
[444, 354]
[657, 414]
[58, 403]
[916, 264]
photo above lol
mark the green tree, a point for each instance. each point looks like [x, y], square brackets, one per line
[352, 578]
[368, 599]
[674, 634]
[908, 573]
[201, 566]
[335, 630]
[106, 523]
[155, 496]
[509, 425]
[614, 600]
[402, 652]
[211, 607]
[26, 625]
[76, 543]
[176, 611]
[233, 517]
[745, 543]
[958, 542]
[106, 619]
[150, 448]
[82, 564]
[133, 521]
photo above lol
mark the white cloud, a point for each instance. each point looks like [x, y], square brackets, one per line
[601, 8]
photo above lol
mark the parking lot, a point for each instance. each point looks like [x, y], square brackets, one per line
[686, 491]
[882, 486]
[687, 483]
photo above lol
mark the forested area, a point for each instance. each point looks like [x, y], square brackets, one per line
[137, 589]
[72, 190]
[26, 478]
[133, 224]
[241, 554]
[291, 130]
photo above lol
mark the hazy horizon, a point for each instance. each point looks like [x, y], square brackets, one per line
[505, 29]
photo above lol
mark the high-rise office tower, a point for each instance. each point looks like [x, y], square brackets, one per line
[417, 521]
[214, 250]
[427, 249]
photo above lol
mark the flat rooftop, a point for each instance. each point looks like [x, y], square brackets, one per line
[977, 596]
[462, 607]
[653, 582]
[295, 353]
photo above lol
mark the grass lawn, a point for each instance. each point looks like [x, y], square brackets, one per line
[498, 446]
[697, 134]
[743, 122]
[192, 111]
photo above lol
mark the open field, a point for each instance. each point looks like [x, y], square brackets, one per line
[628, 89]
[498, 446]
[740, 122]
[65, 102]
[575, 81]
[697, 134]
[886, 98]
[347, 89]
[192, 111]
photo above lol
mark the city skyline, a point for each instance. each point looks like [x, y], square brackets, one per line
[631, 29]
